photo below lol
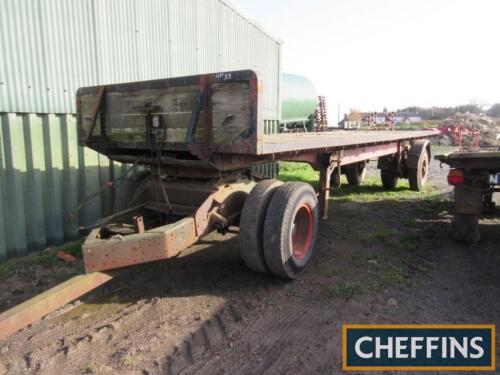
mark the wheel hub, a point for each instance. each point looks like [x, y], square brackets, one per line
[302, 231]
[424, 169]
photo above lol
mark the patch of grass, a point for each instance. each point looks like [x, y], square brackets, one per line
[413, 242]
[46, 258]
[380, 236]
[90, 368]
[361, 258]
[392, 275]
[409, 222]
[74, 248]
[371, 190]
[367, 282]
[343, 290]
[429, 207]
[298, 172]
[129, 360]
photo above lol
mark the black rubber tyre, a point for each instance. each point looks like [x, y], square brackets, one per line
[335, 179]
[389, 178]
[252, 224]
[290, 229]
[466, 228]
[127, 189]
[417, 177]
[356, 173]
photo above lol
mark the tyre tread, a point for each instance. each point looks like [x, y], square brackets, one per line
[277, 220]
[252, 224]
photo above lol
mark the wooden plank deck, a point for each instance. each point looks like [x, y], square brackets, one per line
[337, 139]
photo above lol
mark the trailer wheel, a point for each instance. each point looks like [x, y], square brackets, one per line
[252, 224]
[417, 177]
[389, 178]
[356, 173]
[466, 228]
[127, 190]
[335, 179]
[290, 229]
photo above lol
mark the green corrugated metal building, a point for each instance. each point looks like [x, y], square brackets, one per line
[49, 48]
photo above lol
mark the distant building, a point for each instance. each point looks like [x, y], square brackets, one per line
[407, 117]
[356, 119]
[398, 117]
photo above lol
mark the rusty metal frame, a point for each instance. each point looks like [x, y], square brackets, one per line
[37, 307]
[167, 241]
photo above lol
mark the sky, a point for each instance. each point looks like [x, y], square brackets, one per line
[371, 54]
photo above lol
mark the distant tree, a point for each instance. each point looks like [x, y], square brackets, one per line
[494, 110]
[471, 108]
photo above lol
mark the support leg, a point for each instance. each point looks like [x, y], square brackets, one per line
[324, 192]
[325, 171]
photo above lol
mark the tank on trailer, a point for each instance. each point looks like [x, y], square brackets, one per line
[298, 102]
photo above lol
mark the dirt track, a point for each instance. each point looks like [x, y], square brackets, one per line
[381, 258]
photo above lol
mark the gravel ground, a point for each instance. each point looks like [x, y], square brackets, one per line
[381, 258]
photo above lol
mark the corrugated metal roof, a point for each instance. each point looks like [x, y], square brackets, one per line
[50, 48]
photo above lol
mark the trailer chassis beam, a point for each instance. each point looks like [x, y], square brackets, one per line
[37, 307]
[217, 211]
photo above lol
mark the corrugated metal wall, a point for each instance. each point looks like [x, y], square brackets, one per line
[45, 175]
[49, 48]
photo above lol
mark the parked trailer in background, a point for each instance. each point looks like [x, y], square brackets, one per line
[475, 176]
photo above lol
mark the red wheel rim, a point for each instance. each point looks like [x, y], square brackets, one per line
[302, 231]
[424, 168]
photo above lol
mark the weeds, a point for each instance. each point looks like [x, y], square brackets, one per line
[343, 290]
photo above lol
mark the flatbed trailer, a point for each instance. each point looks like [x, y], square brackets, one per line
[197, 139]
[200, 136]
[475, 176]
